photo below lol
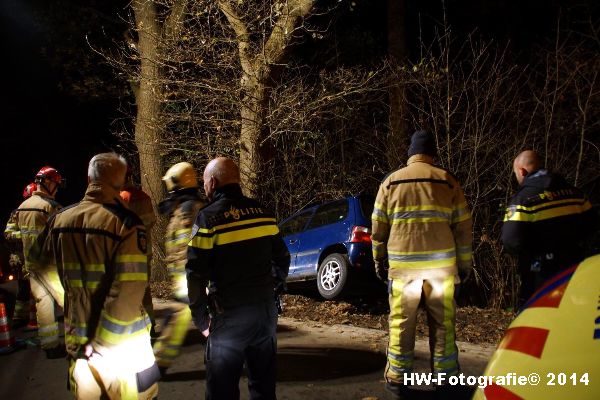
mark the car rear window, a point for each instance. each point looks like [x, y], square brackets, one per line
[366, 206]
[330, 214]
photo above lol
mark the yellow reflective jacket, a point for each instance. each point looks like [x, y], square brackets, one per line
[183, 207]
[12, 234]
[547, 222]
[32, 216]
[99, 247]
[421, 222]
[236, 251]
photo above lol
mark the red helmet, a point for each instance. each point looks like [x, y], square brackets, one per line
[50, 174]
[29, 189]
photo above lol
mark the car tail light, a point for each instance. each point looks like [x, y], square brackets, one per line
[360, 234]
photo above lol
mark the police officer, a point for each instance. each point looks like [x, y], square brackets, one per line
[181, 206]
[422, 243]
[238, 253]
[545, 223]
[99, 248]
[31, 218]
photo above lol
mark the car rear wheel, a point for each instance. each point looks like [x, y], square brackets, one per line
[333, 276]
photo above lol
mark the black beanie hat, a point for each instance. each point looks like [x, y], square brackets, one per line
[422, 142]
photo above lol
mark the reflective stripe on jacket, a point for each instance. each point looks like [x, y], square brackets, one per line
[421, 222]
[12, 234]
[177, 237]
[547, 216]
[32, 216]
[99, 246]
[236, 245]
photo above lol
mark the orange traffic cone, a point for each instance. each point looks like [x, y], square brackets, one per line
[32, 325]
[7, 341]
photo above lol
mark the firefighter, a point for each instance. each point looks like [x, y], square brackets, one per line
[100, 249]
[181, 206]
[421, 247]
[12, 234]
[46, 287]
[237, 253]
[140, 203]
[545, 223]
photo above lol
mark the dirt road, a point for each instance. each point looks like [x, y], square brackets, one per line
[315, 361]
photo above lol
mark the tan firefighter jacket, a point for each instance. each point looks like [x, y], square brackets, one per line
[12, 234]
[99, 246]
[183, 207]
[141, 204]
[421, 222]
[31, 219]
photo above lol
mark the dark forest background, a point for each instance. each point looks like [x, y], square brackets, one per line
[322, 109]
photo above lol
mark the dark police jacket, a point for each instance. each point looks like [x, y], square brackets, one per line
[546, 221]
[236, 251]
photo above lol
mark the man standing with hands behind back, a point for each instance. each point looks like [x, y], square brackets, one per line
[422, 231]
[237, 253]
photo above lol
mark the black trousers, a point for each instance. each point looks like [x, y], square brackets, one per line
[245, 334]
[532, 278]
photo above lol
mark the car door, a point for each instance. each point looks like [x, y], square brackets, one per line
[291, 229]
[328, 226]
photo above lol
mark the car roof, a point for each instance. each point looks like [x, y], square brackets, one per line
[320, 203]
[317, 203]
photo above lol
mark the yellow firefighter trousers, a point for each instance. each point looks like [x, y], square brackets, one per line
[47, 290]
[113, 375]
[172, 335]
[404, 298]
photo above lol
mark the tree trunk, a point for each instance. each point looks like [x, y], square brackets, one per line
[259, 72]
[147, 126]
[254, 106]
[397, 52]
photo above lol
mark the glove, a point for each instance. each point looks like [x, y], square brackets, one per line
[381, 270]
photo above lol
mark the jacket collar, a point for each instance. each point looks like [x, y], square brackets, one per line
[99, 192]
[41, 193]
[233, 190]
[541, 178]
[423, 158]
[536, 174]
[173, 199]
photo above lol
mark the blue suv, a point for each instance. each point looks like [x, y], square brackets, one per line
[331, 243]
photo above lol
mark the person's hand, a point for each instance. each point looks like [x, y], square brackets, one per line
[207, 330]
[88, 350]
[381, 269]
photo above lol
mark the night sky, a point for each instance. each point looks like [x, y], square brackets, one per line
[40, 124]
